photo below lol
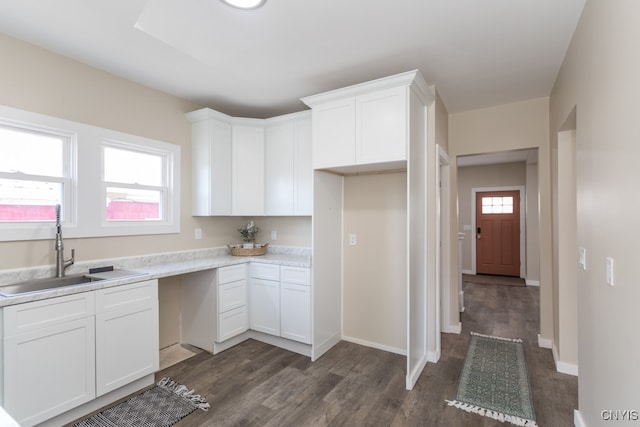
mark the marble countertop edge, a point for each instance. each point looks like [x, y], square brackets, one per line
[155, 266]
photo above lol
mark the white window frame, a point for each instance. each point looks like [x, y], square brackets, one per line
[84, 212]
[35, 230]
[166, 189]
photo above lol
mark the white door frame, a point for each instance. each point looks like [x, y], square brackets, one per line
[443, 245]
[523, 255]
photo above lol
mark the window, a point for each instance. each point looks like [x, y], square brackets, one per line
[497, 205]
[109, 183]
[35, 173]
[135, 184]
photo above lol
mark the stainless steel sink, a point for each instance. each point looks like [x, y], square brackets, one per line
[37, 285]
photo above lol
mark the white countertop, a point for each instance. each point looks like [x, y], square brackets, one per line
[154, 266]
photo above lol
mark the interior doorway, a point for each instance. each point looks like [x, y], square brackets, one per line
[498, 233]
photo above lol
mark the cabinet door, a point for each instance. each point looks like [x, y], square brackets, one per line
[303, 169]
[232, 273]
[334, 125]
[232, 323]
[381, 134]
[127, 334]
[264, 303]
[126, 346]
[49, 371]
[279, 170]
[232, 295]
[295, 312]
[248, 170]
[211, 168]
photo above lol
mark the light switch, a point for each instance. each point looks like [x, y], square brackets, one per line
[353, 239]
[198, 233]
[582, 258]
[610, 274]
[274, 235]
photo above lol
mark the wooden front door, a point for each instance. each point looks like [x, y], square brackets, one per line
[498, 233]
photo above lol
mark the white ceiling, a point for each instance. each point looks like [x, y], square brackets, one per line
[259, 63]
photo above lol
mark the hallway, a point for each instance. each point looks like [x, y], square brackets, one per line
[512, 312]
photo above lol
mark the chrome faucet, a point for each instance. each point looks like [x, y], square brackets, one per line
[61, 263]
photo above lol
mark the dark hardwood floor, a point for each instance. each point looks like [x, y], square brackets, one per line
[254, 384]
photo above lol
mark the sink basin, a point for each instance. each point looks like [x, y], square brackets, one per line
[37, 285]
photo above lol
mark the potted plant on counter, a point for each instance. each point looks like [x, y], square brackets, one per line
[249, 232]
[249, 247]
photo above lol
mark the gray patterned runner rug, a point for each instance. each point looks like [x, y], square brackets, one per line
[160, 406]
[494, 381]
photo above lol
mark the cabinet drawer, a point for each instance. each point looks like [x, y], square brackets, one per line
[232, 323]
[265, 271]
[297, 275]
[35, 315]
[232, 273]
[232, 295]
[124, 296]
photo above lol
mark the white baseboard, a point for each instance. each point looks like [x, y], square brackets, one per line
[578, 421]
[326, 345]
[412, 377]
[294, 346]
[532, 282]
[401, 351]
[467, 272]
[544, 342]
[452, 329]
[433, 356]
[563, 367]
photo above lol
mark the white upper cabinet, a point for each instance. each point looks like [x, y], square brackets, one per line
[381, 132]
[288, 170]
[365, 124]
[334, 133]
[210, 163]
[251, 167]
[247, 193]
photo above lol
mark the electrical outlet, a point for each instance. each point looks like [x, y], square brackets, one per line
[198, 233]
[353, 239]
[274, 235]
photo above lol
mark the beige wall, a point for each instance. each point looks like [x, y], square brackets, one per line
[599, 77]
[511, 127]
[375, 270]
[470, 177]
[36, 80]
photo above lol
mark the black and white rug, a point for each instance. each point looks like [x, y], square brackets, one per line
[163, 405]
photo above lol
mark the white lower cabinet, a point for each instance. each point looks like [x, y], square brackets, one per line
[49, 371]
[295, 316]
[265, 306]
[127, 334]
[233, 318]
[280, 301]
[49, 357]
[62, 352]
